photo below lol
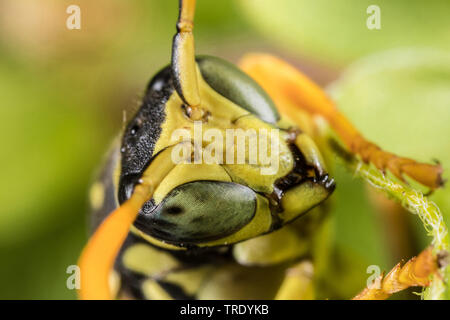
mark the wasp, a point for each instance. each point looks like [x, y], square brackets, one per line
[187, 229]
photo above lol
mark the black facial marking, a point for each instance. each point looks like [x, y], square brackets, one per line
[175, 291]
[174, 210]
[105, 177]
[297, 176]
[143, 132]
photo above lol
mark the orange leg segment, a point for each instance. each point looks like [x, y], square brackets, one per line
[415, 272]
[291, 90]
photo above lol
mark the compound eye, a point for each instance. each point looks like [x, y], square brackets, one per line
[160, 80]
[200, 211]
[236, 86]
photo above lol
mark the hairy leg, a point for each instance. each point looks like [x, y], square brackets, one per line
[415, 272]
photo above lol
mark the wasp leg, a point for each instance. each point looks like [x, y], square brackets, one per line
[184, 67]
[298, 283]
[415, 272]
[291, 91]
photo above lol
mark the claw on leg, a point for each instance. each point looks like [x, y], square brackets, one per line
[427, 174]
[291, 91]
[415, 272]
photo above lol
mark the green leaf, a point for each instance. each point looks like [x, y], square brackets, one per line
[408, 93]
[336, 32]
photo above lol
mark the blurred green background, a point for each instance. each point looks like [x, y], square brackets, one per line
[64, 94]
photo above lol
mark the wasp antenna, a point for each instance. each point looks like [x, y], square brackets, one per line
[184, 68]
[97, 259]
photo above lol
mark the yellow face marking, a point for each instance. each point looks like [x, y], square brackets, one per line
[270, 249]
[223, 115]
[146, 260]
[251, 175]
[153, 291]
[190, 280]
[97, 195]
[301, 198]
[184, 173]
[114, 283]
